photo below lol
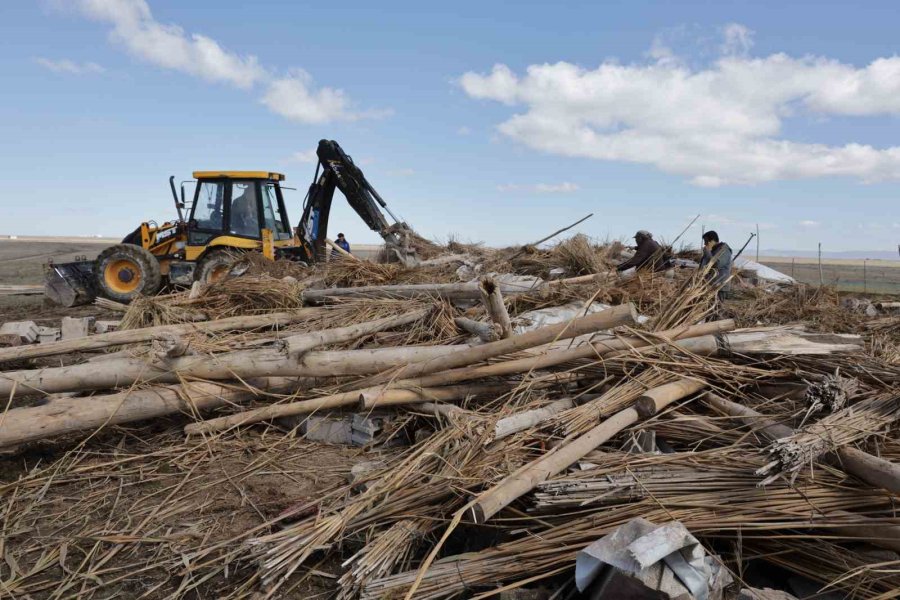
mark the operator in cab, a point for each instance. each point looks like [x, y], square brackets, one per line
[648, 254]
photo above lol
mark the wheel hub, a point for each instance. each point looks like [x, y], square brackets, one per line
[126, 275]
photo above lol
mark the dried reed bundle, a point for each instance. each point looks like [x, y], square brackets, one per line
[578, 256]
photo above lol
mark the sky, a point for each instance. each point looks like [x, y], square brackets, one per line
[491, 122]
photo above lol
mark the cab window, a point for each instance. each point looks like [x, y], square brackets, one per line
[244, 215]
[209, 206]
[271, 213]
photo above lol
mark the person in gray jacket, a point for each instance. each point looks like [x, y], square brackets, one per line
[720, 255]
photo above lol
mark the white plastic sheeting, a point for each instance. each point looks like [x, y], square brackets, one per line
[762, 271]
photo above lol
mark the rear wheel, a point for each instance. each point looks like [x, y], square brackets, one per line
[216, 266]
[125, 272]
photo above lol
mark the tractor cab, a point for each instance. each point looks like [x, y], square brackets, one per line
[236, 209]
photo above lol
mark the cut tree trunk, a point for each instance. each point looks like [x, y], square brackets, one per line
[135, 336]
[450, 393]
[263, 362]
[485, 331]
[516, 485]
[871, 469]
[492, 299]
[525, 420]
[67, 415]
[450, 291]
[451, 376]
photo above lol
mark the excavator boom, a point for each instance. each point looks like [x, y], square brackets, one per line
[336, 170]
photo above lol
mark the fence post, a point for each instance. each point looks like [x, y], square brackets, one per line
[821, 277]
[792, 267]
[865, 276]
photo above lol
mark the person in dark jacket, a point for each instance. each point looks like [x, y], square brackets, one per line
[343, 243]
[648, 254]
[719, 254]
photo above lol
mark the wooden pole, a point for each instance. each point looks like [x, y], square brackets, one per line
[757, 242]
[340, 250]
[450, 291]
[552, 235]
[298, 344]
[263, 362]
[516, 485]
[821, 276]
[493, 304]
[350, 398]
[68, 415]
[452, 393]
[873, 470]
[525, 420]
[146, 334]
[486, 332]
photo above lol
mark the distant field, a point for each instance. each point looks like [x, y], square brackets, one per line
[849, 275]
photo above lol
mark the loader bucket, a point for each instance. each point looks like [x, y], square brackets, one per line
[70, 284]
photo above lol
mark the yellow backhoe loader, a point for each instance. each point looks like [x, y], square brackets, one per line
[231, 212]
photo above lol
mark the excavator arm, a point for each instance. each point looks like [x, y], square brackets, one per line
[336, 170]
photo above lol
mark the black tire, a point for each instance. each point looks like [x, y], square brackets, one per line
[125, 272]
[215, 265]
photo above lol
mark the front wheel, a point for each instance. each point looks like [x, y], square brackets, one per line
[215, 266]
[126, 271]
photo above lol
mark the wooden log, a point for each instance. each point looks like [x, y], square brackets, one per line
[135, 336]
[529, 418]
[873, 470]
[516, 485]
[492, 299]
[298, 344]
[263, 362]
[68, 415]
[619, 315]
[485, 331]
[450, 291]
[583, 279]
[553, 358]
[395, 397]
[340, 250]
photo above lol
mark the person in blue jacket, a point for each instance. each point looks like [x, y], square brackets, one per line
[342, 243]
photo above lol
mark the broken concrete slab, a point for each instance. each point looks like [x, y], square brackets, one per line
[106, 326]
[48, 334]
[329, 430]
[27, 331]
[75, 327]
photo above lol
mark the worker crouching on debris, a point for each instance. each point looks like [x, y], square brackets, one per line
[649, 254]
[719, 254]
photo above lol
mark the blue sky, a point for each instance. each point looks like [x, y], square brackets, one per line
[644, 113]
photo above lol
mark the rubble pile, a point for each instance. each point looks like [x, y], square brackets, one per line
[491, 422]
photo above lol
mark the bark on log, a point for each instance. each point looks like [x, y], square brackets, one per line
[607, 319]
[484, 331]
[265, 362]
[492, 299]
[516, 485]
[525, 420]
[298, 344]
[452, 376]
[450, 291]
[873, 470]
[134, 336]
[68, 415]
[452, 393]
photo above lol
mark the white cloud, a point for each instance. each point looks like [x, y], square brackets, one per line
[738, 39]
[71, 67]
[716, 125]
[303, 157]
[405, 172]
[464, 130]
[293, 96]
[540, 188]
[809, 223]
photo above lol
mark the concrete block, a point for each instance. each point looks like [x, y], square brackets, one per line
[365, 427]
[73, 328]
[26, 330]
[48, 334]
[106, 326]
[9, 339]
[329, 430]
